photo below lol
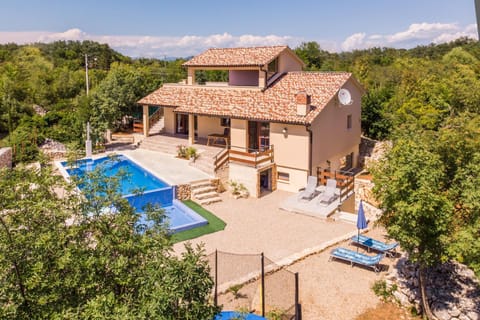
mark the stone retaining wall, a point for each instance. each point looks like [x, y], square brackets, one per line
[452, 288]
[183, 192]
[6, 157]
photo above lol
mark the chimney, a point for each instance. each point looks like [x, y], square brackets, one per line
[303, 101]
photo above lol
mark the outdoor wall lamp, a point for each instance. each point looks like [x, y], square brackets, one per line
[285, 130]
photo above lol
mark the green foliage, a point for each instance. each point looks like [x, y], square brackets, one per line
[182, 151]
[192, 153]
[276, 314]
[53, 76]
[238, 189]
[65, 256]
[410, 186]
[381, 289]
[428, 187]
[235, 290]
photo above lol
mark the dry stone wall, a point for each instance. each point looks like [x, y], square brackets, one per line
[6, 157]
[183, 192]
[452, 288]
[53, 149]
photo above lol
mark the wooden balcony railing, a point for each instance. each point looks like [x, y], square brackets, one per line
[249, 157]
[152, 119]
[345, 180]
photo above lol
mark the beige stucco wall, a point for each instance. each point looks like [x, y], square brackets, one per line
[208, 125]
[238, 134]
[245, 175]
[298, 179]
[290, 149]
[286, 62]
[290, 154]
[331, 138]
[169, 118]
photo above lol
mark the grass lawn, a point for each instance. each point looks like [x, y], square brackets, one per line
[214, 224]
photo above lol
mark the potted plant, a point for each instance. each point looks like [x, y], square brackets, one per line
[238, 190]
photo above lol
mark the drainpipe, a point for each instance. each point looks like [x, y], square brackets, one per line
[310, 144]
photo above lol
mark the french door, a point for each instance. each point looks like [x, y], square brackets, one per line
[258, 136]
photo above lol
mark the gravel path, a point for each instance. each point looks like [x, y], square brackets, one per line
[334, 289]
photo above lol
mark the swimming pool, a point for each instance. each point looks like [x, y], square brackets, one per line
[154, 190]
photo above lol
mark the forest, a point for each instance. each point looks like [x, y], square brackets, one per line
[424, 100]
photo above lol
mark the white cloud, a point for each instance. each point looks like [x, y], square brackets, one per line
[355, 41]
[189, 45]
[416, 34]
[153, 46]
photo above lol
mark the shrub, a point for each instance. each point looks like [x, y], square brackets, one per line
[238, 189]
[192, 153]
[182, 151]
[383, 291]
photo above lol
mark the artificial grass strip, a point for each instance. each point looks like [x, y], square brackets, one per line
[214, 224]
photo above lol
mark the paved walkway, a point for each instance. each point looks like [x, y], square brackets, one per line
[258, 225]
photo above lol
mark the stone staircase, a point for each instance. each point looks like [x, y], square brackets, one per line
[157, 128]
[159, 143]
[204, 162]
[203, 192]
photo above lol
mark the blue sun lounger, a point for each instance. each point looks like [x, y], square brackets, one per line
[369, 243]
[358, 258]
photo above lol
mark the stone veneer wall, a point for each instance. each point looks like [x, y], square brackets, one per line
[217, 184]
[6, 157]
[452, 289]
[363, 191]
[183, 192]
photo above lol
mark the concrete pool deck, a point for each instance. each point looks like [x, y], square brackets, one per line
[172, 170]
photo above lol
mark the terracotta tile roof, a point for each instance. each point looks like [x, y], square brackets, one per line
[276, 104]
[229, 57]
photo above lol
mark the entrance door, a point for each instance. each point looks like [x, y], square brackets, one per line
[181, 123]
[258, 136]
[265, 181]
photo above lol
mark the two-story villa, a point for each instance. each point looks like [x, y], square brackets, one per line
[283, 122]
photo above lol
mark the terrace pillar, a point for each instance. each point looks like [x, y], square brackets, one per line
[191, 129]
[146, 122]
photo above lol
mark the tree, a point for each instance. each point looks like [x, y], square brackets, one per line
[311, 54]
[117, 95]
[409, 184]
[64, 256]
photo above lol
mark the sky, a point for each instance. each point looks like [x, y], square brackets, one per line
[182, 28]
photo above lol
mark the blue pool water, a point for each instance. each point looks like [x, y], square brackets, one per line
[154, 190]
[227, 315]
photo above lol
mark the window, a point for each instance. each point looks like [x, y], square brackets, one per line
[225, 122]
[273, 66]
[283, 176]
[349, 121]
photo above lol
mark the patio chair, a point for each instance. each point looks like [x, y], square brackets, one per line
[329, 194]
[387, 248]
[309, 192]
[358, 258]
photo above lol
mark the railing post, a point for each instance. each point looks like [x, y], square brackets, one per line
[298, 312]
[263, 284]
[216, 278]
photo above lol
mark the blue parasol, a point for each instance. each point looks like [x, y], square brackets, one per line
[361, 220]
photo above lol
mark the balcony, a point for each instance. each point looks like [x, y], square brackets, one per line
[249, 157]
